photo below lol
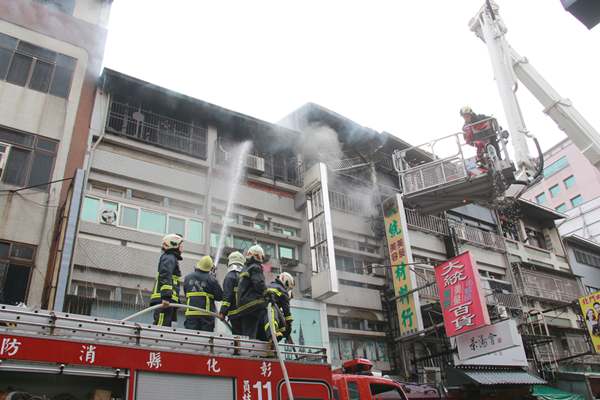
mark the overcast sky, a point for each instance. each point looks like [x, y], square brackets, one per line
[405, 67]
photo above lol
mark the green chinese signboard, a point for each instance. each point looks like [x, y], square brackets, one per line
[409, 310]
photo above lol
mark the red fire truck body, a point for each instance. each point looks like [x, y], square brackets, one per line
[50, 353]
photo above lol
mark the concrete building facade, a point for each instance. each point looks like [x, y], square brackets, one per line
[50, 58]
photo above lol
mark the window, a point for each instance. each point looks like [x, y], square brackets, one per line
[214, 240]
[3, 156]
[541, 198]
[64, 6]
[34, 67]
[16, 264]
[344, 264]
[288, 232]
[576, 201]
[30, 159]
[287, 252]
[586, 258]
[269, 248]
[554, 190]
[139, 218]
[562, 208]
[570, 181]
[353, 391]
[555, 167]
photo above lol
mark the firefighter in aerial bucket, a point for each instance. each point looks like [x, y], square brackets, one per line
[478, 132]
[235, 263]
[279, 296]
[166, 285]
[201, 290]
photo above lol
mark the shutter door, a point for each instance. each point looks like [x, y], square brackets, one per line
[164, 385]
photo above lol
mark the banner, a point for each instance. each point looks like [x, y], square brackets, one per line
[590, 307]
[409, 309]
[461, 294]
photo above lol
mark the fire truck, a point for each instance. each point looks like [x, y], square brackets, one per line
[52, 355]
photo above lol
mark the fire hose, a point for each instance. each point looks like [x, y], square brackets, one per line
[274, 338]
[176, 305]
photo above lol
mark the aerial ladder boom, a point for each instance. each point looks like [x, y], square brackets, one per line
[509, 67]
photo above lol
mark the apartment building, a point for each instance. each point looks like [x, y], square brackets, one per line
[569, 179]
[50, 58]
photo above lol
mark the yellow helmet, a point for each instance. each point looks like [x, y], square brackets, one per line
[205, 264]
[236, 258]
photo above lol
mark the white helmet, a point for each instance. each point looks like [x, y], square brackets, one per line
[172, 241]
[235, 258]
[466, 110]
[287, 280]
[256, 253]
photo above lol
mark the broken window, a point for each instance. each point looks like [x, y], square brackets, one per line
[35, 67]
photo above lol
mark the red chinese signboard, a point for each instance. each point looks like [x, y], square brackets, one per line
[463, 303]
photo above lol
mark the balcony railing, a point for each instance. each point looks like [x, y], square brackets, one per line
[479, 238]
[546, 286]
[344, 202]
[144, 125]
[428, 223]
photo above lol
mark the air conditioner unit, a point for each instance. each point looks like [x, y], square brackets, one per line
[460, 233]
[376, 270]
[108, 216]
[255, 164]
[502, 312]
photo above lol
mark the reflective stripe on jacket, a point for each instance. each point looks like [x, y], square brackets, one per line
[168, 278]
[201, 290]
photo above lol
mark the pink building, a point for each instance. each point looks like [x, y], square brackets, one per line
[569, 179]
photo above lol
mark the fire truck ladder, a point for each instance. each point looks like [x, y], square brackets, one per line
[65, 326]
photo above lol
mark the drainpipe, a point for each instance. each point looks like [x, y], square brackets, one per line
[208, 202]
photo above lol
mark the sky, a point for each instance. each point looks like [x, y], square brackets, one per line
[404, 67]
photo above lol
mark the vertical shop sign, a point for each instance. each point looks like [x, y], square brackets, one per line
[463, 303]
[409, 310]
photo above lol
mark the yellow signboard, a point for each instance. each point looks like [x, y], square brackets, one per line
[590, 306]
[409, 310]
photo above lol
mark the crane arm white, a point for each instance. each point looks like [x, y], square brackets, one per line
[508, 66]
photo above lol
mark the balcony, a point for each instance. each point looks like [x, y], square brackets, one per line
[137, 123]
[276, 167]
[547, 286]
[478, 237]
[429, 224]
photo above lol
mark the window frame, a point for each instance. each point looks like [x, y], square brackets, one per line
[540, 195]
[34, 59]
[121, 205]
[569, 185]
[574, 198]
[17, 261]
[33, 150]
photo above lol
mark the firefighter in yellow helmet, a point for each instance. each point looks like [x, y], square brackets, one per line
[166, 285]
[201, 290]
[235, 263]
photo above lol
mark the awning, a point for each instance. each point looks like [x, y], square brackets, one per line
[548, 393]
[491, 376]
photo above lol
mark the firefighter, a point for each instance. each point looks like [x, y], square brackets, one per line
[471, 118]
[201, 290]
[166, 286]
[235, 262]
[252, 292]
[279, 294]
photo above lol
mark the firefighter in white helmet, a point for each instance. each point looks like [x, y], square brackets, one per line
[252, 293]
[235, 263]
[201, 290]
[166, 286]
[280, 290]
